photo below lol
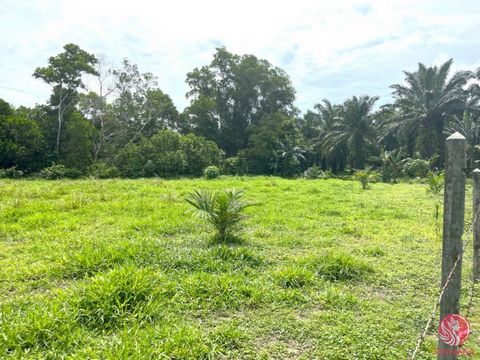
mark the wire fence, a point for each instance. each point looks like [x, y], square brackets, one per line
[433, 315]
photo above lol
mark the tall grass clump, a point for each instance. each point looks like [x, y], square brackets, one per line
[294, 277]
[110, 299]
[224, 210]
[42, 326]
[340, 267]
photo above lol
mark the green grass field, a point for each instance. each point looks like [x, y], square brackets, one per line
[118, 269]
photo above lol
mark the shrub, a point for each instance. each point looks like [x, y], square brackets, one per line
[168, 154]
[11, 173]
[327, 174]
[231, 166]
[199, 153]
[149, 168]
[102, 170]
[414, 168]
[58, 171]
[223, 210]
[211, 172]
[312, 173]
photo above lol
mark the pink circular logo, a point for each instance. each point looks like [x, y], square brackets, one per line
[453, 330]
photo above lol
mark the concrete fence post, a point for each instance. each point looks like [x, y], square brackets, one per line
[453, 224]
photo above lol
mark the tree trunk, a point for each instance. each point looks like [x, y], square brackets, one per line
[60, 120]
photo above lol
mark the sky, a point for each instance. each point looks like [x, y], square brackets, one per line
[330, 49]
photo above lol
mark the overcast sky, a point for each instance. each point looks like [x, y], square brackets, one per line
[330, 49]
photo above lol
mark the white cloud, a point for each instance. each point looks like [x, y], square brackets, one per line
[330, 49]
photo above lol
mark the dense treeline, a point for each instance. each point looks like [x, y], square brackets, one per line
[241, 117]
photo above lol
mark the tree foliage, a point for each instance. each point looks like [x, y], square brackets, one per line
[241, 117]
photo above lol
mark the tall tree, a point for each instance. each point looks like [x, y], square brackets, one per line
[5, 108]
[233, 93]
[426, 101]
[95, 107]
[21, 143]
[140, 108]
[64, 73]
[275, 133]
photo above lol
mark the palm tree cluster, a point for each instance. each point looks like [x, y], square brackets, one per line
[431, 104]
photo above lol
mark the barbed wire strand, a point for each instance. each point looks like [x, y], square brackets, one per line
[423, 335]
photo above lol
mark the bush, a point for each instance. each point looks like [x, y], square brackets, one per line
[199, 153]
[11, 173]
[101, 170]
[58, 171]
[312, 173]
[211, 172]
[231, 166]
[168, 154]
[149, 169]
[416, 168]
[224, 210]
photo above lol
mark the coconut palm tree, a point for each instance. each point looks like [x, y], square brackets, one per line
[354, 129]
[426, 101]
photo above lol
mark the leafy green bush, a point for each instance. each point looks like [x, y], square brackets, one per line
[168, 154]
[312, 173]
[199, 153]
[149, 169]
[211, 172]
[223, 209]
[231, 166]
[414, 168]
[58, 171]
[102, 170]
[11, 173]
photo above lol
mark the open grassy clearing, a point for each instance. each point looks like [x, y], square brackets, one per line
[118, 269]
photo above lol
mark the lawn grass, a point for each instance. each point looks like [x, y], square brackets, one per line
[116, 269]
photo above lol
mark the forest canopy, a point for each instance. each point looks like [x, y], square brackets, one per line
[241, 117]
